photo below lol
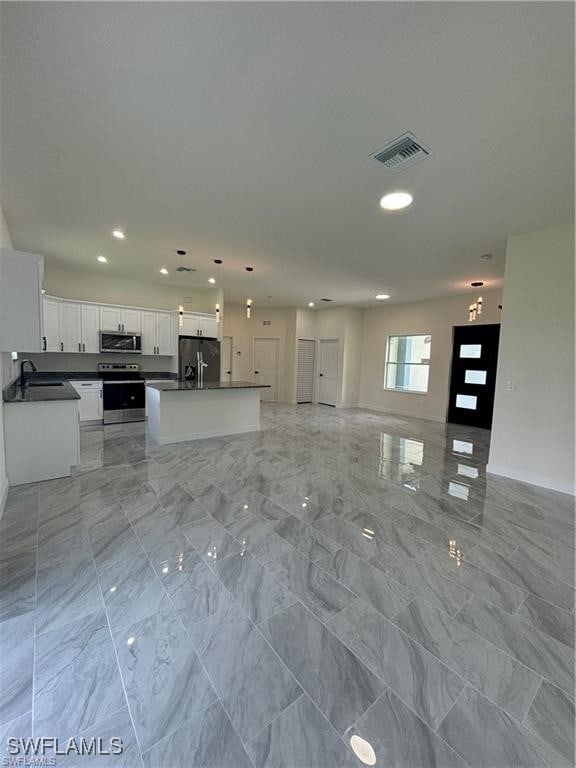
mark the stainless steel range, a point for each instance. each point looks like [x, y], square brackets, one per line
[124, 397]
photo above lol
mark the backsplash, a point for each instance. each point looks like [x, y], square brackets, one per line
[60, 361]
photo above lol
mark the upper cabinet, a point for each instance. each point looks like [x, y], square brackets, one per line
[158, 333]
[120, 319]
[90, 314]
[21, 318]
[51, 341]
[199, 325]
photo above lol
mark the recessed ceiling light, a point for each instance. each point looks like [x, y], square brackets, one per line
[310, 303]
[212, 280]
[163, 271]
[477, 284]
[382, 296]
[118, 234]
[102, 259]
[395, 201]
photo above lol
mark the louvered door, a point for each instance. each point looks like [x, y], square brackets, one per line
[305, 371]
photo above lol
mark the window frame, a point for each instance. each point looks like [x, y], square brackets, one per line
[387, 361]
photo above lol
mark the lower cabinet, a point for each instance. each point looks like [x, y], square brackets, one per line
[90, 405]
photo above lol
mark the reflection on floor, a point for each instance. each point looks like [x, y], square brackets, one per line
[343, 588]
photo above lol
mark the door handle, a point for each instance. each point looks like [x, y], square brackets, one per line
[228, 373]
[256, 371]
[83, 347]
[79, 347]
[61, 346]
[320, 374]
[43, 343]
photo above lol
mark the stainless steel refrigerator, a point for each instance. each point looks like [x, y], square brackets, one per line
[189, 349]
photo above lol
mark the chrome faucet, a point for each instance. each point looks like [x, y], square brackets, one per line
[22, 364]
[200, 365]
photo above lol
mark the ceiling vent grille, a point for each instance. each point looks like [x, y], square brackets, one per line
[185, 269]
[401, 153]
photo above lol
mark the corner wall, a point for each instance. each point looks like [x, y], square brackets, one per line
[436, 317]
[5, 375]
[533, 425]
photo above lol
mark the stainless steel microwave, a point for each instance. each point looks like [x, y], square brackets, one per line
[120, 341]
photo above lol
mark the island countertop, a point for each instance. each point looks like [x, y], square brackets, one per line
[192, 386]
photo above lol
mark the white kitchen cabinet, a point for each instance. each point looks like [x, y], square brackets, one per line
[199, 325]
[130, 320]
[158, 333]
[52, 319]
[110, 319]
[90, 328]
[166, 333]
[90, 405]
[21, 320]
[70, 327]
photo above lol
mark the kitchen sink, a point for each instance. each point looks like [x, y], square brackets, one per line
[44, 384]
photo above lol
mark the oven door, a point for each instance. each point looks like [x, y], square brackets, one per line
[123, 401]
[117, 341]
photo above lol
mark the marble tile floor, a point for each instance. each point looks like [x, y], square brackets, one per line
[339, 588]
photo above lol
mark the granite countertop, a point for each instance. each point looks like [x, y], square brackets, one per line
[14, 393]
[191, 386]
[90, 375]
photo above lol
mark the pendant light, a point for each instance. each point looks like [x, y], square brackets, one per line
[249, 301]
[475, 308]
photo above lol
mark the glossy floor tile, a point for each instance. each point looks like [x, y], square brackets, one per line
[342, 583]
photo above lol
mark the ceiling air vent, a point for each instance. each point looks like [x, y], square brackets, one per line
[401, 153]
[185, 269]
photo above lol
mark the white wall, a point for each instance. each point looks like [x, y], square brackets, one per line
[110, 289]
[243, 332]
[5, 376]
[435, 317]
[533, 425]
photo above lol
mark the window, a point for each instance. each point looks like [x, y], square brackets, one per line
[408, 363]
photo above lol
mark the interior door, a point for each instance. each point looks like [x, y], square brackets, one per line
[328, 373]
[71, 327]
[90, 314]
[266, 367]
[226, 359]
[473, 377]
[305, 371]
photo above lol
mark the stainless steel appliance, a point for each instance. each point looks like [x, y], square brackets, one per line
[120, 341]
[198, 359]
[123, 392]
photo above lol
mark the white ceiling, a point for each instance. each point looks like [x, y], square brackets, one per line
[243, 131]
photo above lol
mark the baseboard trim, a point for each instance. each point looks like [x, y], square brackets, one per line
[408, 414]
[524, 477]
[3, 495]
[168, 439]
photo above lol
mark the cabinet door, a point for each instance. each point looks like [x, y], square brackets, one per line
[70, 327]
[190, 326]
[149, 341]
[51, 325]
[209, 327]
[110, 318]
[166, 333]
[90, 314]
[90, 404]
[130, 320]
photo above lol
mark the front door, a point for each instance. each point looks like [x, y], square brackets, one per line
[328, 374]
[473, 378]
[266, 367]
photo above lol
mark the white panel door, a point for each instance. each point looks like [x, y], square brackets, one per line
[148, 325]
[266, 367]
[70, 327]
[110, 319]
[226, 359]
[328, 373]
[130, 320]
[51, 325]
[305, 371]
[90, 315]
[165, 333]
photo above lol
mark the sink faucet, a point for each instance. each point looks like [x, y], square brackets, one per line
[22, 364]
[200, 368]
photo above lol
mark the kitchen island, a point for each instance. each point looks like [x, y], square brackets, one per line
[182, 410]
